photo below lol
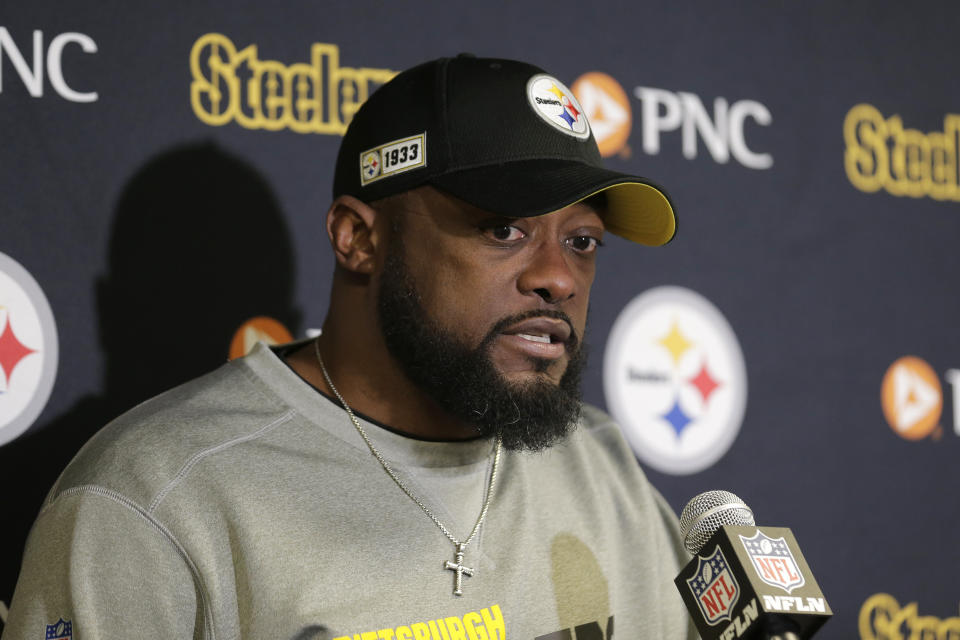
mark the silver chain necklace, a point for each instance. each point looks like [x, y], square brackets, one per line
[457, 566]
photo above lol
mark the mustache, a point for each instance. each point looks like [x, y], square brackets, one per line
[571, 343]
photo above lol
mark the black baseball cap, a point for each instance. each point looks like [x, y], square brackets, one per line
[501, 135]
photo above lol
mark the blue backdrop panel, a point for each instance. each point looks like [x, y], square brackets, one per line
[164, 172]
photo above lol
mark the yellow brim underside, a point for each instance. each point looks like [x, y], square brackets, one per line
[639, 213]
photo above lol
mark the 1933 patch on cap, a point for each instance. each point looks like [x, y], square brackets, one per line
[552, 101]
[392, 158]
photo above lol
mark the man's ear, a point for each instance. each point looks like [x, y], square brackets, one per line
[350, 227]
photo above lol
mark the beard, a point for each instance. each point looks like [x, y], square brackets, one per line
[463, 380]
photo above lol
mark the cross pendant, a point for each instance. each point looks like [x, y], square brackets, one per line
[458, 569]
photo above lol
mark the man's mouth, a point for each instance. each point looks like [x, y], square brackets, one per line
[540, 336]
[535, 338]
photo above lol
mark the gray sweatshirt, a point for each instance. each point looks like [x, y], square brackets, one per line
[244, 504]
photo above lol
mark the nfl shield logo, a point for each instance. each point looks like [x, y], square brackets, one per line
[773, 561]
[714, 587]
[60, 630]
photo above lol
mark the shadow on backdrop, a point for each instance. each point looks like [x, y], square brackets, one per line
[198, 246]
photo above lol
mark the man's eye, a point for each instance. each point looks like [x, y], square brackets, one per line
[505, 232]
[585, 243]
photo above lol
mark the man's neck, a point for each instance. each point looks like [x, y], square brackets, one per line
[376, 387]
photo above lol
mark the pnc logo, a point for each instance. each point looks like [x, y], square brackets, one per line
[608, 109]
[912, 398]
[259, 329]
[31, 75]
[722, 131]
[675, 379]
[28, 350]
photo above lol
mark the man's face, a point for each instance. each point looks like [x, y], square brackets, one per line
[487, 314]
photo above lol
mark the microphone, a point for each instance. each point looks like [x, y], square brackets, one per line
[745, 582]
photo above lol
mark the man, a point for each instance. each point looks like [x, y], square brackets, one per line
[415, 472]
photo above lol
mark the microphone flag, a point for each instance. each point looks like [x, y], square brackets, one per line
[752, 582]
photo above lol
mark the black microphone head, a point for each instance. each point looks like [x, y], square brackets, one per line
[706, 513]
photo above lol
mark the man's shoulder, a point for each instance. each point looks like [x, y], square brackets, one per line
[597, 464]
[592, 417]
[144, 449]
[595, 452]
[600, 432]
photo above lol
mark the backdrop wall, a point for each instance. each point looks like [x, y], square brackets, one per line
[164, 171]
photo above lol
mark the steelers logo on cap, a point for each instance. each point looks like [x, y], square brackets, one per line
[552, 101]
[369, 166]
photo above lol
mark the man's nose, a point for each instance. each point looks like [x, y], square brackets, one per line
[548, 274]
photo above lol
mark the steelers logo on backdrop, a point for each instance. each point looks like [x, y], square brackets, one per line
[675, 379]
[912, 398]
[556, 104]
[28, 349]
[608, 109]
[259, 329]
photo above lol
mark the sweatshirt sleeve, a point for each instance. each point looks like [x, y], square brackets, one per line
[97, 562]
